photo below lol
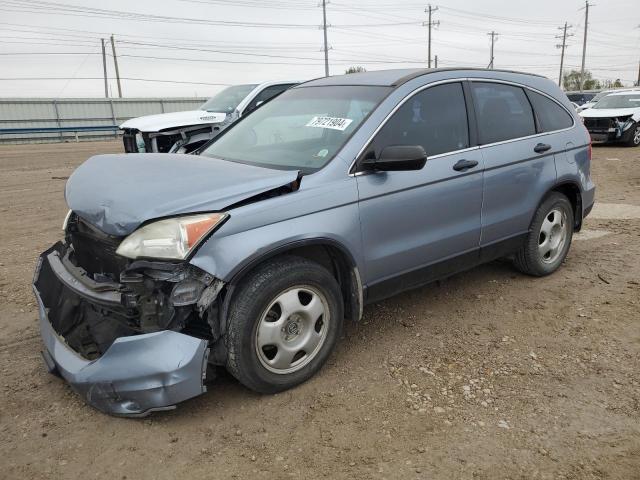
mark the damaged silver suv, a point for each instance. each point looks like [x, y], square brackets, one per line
[340, 192]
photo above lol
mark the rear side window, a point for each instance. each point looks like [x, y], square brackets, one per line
[550, 115]
[503, 112]
[435, 118]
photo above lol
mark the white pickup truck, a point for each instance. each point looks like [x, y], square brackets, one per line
[184, 132]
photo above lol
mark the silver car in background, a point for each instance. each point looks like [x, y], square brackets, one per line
[338, 193]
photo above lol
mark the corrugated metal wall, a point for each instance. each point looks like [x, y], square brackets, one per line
[80, 112]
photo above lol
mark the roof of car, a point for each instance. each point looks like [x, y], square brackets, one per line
[389, 78]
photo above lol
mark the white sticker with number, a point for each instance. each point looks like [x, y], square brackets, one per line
[333, 123]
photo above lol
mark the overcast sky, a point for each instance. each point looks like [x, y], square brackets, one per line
[211, 43]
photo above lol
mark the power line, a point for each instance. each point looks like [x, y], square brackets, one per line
[56, 8]
[196, 49]
[255, 4]
[464, 22]
[100, 78]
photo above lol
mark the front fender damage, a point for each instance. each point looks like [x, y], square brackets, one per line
[131, 347]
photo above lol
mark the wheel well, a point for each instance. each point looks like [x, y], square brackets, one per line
[336, 261]
[572, 192]
[340, 266]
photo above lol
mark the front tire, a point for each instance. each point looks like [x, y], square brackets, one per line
[284, 321]
[549, 237]
[634, 140]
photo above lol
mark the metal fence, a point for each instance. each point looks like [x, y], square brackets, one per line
[43, 120]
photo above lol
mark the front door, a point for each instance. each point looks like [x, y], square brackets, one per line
[419, 223]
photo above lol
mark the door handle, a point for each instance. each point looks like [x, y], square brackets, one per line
[541, 147]
[464, 165]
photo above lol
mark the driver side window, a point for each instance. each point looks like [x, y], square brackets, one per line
[435, 118]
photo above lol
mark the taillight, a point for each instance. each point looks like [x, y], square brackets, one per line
[589, 151]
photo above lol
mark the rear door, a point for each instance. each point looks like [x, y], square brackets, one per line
[519, 161]
[414, 220]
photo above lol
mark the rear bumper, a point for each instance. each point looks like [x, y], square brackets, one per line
[588, 200]
[136, 375]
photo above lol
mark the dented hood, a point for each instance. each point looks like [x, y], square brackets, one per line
[169, 121]
[117, 193]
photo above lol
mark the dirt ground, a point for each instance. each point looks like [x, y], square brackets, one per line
[486, 375]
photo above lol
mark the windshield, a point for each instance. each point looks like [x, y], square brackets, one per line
[599, 96]
[302, 129]
[619, 101]
[228, 99]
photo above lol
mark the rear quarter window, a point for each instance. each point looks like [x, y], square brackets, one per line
[550, 115]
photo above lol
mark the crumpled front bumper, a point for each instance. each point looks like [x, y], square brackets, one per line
[136, 375]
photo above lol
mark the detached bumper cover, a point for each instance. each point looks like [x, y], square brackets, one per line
[136, 375]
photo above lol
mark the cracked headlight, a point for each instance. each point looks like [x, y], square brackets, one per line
[627, 124]
[172, 238]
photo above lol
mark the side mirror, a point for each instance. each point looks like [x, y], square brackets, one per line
[259, 103]
[397, 158]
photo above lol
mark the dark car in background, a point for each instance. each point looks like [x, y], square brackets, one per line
[580, 98]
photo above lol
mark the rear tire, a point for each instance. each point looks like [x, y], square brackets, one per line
[284, 321]
[549, 237]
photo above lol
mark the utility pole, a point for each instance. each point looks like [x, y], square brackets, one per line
[104, 69]
[436, 61]
[326, 47]
[430, 24]
[584, 41]
[563, 47]
[115, 63]
[494, 37]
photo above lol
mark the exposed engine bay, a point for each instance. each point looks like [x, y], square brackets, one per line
[607, 129]
[176, 140]
[110, 296]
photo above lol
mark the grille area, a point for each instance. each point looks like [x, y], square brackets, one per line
[87, 327]
[95, 251]
[129, 140]
[598, 123]
[165, 142]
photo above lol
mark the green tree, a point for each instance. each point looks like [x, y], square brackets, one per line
[357, 69]
[617, 83]
[571, 81]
